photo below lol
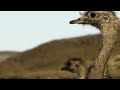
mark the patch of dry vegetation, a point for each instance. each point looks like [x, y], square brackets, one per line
[5, 55]
[46, 60]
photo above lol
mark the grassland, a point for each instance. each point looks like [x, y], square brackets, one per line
[6, 54]
[45, 61]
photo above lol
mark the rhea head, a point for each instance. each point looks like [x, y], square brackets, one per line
[96, 18]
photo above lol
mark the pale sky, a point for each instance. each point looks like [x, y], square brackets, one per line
[23, 30]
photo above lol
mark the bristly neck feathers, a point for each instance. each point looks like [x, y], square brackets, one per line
[80, 72]
[110, 33]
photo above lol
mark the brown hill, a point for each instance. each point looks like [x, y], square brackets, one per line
[46, 60]
[6, 54]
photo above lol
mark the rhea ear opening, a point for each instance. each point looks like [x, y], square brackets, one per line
[106, 18]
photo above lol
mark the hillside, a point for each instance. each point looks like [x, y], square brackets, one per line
[47, 59]
[6, 54]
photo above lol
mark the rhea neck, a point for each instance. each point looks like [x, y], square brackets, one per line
[80, 72]
[110, 36]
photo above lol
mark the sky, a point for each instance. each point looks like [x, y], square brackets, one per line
[23, 30]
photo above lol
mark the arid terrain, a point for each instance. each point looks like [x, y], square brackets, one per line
[6, 54]
[45, 61]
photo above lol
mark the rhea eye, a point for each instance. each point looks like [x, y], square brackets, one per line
[92, 15]
[68, 64]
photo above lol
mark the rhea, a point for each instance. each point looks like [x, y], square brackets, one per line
[76, 67]
[109, 25]
[79, 70]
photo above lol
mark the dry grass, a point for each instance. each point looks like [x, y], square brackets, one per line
[5, 55]
[46, 60]
[38, 74]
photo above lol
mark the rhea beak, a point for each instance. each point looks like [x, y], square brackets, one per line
[77, 21]
[73, 22]
[62, 69]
